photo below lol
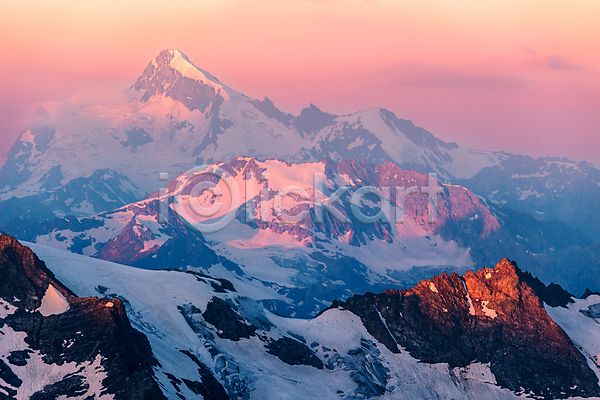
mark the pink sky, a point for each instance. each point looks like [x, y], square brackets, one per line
[520, 76]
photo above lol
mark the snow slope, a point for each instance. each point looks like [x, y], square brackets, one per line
[581, 321]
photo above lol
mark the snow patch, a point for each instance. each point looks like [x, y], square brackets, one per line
[84, 208]
[478, 372]
[526, 193]
[357, 143]
[471, 308]
[487, 311]
[53, 302]
[6, 309]
[583, 330]
[27, 137]
[383, 321]
[432, 287]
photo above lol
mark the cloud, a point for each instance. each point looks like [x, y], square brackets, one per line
[560, 63]
[531, 58]
[431, 77]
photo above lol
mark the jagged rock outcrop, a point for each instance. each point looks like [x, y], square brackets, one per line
[589, 293]
[490, 316]
[53, 343]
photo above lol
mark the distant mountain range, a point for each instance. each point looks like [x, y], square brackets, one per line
[300, 268]
[176, 116]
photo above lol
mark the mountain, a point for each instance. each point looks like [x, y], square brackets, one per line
[550, 189]
[54, 343]
[512, 332]
[299, 268]
[176, 116]
[486, 335]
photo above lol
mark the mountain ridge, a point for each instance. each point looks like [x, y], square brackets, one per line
[85, 347]
[343, 353]
[457, 330]
[306, 265]
[170, 105]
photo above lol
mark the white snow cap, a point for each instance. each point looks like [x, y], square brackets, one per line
[181, 63]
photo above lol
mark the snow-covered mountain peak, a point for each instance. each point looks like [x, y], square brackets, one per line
[171, 74]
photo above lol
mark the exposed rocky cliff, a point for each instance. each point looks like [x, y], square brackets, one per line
[491, 316]
[53, 343]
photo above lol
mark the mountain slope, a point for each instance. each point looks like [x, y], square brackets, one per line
[199, 328]
[547, 188]
[580, 320]
[53, 343]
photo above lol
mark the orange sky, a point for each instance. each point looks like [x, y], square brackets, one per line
[521, 76]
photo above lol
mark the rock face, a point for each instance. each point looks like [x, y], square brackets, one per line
[293, 352]
[53, 343]
[491, 316]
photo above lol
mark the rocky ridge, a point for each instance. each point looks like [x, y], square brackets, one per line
[490, 316]
[54, 343]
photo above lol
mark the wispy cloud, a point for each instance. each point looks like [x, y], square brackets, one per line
[560, 63]
[431, 77]
[553, 62]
